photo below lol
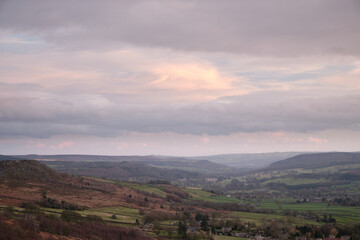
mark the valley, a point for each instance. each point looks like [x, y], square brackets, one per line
[281, 201]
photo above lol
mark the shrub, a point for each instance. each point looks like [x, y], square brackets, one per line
[31, 208]
[71, 216]
[9, 212]
[94, 218]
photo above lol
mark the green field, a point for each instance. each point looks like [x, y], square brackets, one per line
[290, 181]
[337, 168]
[123, 214]
[260, 218]
[198, 194]
[100, 179]
[150, 188]
[342, 214]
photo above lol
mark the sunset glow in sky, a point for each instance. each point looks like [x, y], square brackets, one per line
[179, 77]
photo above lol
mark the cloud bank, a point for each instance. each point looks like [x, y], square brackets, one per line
[276, 27]
[194, 73]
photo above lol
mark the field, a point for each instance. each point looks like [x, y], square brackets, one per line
[290, 181]
[261, 218]
[124, 215]
[198, 194]
[342, 214]
[145, 187]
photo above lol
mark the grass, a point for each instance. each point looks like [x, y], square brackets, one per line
[198, 194]
[101, 179]
[338, 168]
[295, 181]
[342, 214]
[150, 188]
[123, 214]
[259, 218]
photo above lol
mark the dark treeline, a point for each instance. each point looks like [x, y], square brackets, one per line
[53, 203]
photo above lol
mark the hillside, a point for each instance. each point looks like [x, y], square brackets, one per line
[317, 160]
[125, 171]
[69, 209]
[204, 166]
[29, 180]
[28, 170]
[249, 160]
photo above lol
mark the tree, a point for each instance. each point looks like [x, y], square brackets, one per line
[205, 223]
[9, 211]
[31, 208]
[182, 230]
[70, 216]
[94, 218]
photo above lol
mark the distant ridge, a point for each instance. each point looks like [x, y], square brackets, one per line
[181, 163]
[5, 157]
[124, 171]
[204, 166]
[84, 157]
[317, 160]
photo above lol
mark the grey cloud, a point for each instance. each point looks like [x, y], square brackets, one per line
[277, 27]
[263, 111]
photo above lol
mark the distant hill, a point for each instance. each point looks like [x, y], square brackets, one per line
[249, 160]
[204, 166]
[4, 158]
[317, 160]
[124, 171]
[84, 158]
[28, 170]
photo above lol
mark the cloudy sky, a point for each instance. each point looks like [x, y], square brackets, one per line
[179, 77]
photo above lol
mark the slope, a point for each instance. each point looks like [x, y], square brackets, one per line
[317, 160]
[204, 166]
[28, 170]
[249, 160]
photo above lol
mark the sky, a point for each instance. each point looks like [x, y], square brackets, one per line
[179, 77]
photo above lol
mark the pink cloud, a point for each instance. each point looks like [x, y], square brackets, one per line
[205, 140]
[277, 134]
[121, 146]
[40, 145]
[60, 145]
[317, 140]
[66, 144]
